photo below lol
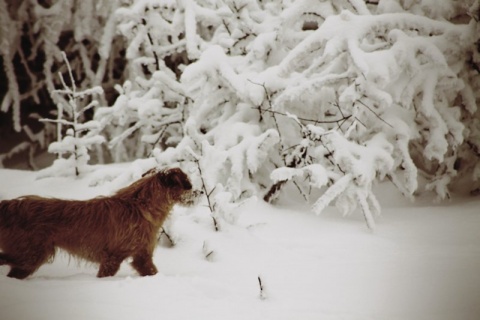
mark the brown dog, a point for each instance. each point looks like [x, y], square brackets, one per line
[104, 230]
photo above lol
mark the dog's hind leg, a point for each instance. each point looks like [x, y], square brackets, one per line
[18, 273]
[28, 261]
[143, 263]
[15, 272]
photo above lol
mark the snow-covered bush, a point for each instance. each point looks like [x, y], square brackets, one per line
[332, 96]
[365, 96]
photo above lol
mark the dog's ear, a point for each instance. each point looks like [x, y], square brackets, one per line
[175, 178]
[149, 172]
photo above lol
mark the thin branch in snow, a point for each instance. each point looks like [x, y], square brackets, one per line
[70, 74]
[263, 294]
[269, 109]
[300, 190]
[274, 191]
[329, 156]
[169, 238]
[207, 194]
[161, 133]
[343, 119]
[226, 27]
[367, 213]
[157, 64]
[207, 251]
[376, 114]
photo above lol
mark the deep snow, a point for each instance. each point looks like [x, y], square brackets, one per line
[422, 262]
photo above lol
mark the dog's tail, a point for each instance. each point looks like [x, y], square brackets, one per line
[3, 209]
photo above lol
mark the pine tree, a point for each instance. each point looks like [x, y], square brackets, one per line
[72, 148]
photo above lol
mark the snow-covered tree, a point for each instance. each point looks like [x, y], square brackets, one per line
[73, 148]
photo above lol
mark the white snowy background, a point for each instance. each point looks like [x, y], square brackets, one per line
[422, 262]
[356, 121]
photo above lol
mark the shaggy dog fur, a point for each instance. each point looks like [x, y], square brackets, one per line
[103, 230]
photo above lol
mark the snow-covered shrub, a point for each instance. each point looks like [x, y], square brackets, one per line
[73, 148]
[363, 97]
[395, 73]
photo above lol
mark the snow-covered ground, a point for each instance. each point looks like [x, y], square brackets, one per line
[422, 262]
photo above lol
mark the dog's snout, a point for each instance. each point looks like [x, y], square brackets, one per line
[197, 192]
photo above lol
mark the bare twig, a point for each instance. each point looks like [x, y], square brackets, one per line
[164, 128]
[272, 193]
[343, 119]
[157, 64]
[263, 295]
[207, 194]
[169, 238]
[207, 251]
[372, 111]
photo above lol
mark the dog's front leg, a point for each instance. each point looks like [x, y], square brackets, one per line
[142, 262]
[109, 266]
[4, 259]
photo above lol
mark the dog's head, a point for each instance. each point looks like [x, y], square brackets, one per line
[179, 185]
